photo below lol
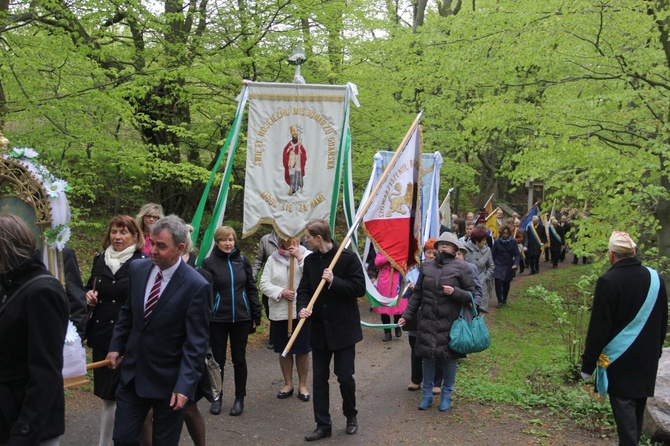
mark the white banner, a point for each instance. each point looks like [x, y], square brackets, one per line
[294, 137]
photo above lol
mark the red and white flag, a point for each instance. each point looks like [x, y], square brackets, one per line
[392, 220]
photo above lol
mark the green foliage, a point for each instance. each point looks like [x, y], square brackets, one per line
[131, 101]
[570, 315]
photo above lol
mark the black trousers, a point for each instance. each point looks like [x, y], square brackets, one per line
[344, 370]
[534, 264]
[131, 410]
[238, 332]
[502, 290]
[628, 415]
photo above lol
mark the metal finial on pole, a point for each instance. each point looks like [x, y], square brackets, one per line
[297, 58]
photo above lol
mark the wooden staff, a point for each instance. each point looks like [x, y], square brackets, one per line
[291, 286]
[347, 238]
[97, 365]
[492, 213]
[531, 208]
[61, 268]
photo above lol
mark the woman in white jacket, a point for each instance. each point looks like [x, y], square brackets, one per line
[275, 285]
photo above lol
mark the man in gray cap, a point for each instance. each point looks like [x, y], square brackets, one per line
[625, 336]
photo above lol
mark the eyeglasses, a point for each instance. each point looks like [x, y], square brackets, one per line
[152, 217]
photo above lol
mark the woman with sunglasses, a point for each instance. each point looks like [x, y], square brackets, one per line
[149, 214]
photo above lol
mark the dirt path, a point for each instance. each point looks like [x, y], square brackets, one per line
[387, 411]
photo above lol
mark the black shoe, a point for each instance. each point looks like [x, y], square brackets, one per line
[304, 397]
[283, 395]
[352, 425]
[238, 407]
[271, 346]
[215, 408]
[318, 434]
[387, 336]
[398, 332]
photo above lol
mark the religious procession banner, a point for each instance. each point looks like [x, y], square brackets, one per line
[304, 113]
[393, 219]
[295, 139]
[427, 210]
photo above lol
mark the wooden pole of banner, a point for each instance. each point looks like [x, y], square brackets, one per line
[76, 381]
[291, 286]
[531, 208]
[97, 365]
[492, 213]
[347, 238]
[489, 201]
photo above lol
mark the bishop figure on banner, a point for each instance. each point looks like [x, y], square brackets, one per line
[294, 159]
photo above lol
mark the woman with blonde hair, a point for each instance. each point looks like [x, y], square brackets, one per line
[236, 311]
[149, 214]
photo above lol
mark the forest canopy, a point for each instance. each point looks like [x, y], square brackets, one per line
[130, 101]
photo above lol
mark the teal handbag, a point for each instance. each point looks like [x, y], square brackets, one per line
[469, 336]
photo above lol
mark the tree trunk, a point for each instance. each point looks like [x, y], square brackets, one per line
[419, 14]
[663, 213]
[450, 7]
[663, 208]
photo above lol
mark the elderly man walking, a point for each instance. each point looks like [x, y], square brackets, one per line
[625, 336]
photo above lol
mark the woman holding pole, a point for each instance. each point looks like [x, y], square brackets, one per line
[280, 278]
[107, 292]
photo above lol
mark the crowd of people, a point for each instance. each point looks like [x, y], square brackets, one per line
[154, 316]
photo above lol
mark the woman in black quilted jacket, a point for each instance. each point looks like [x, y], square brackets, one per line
[444, 284]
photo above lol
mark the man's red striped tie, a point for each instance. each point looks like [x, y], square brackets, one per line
[153, 296]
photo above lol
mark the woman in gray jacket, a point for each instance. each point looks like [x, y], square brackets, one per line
[444, 284]
[479, 254]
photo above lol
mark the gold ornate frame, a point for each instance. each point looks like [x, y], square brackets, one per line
[27, 188]
[16, 180]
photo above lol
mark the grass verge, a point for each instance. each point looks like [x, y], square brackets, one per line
[527, 364]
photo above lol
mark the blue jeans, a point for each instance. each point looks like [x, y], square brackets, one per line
[449, 367]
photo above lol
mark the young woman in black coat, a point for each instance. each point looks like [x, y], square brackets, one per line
[107, 292]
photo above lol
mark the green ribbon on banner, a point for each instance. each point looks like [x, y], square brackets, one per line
[230, 147]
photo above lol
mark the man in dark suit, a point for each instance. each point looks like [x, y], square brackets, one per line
[336, 324]
[625, 337]
[161, 339]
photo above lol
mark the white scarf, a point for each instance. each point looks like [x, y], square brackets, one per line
[114, 259]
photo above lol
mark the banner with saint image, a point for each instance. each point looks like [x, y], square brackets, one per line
[296, 133]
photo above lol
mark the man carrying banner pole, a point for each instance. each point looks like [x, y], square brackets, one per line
[319, 240]
[336, 323]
